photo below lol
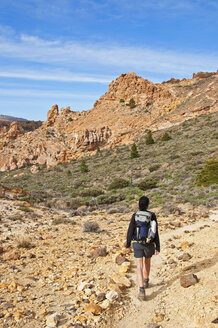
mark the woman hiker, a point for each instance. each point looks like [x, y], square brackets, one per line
[143, 231]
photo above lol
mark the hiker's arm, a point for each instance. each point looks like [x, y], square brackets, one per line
[130, 231]
[156, 239]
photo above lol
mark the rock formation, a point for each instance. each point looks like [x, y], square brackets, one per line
[68, 134]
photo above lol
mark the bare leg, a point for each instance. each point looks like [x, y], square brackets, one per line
[139, 263]
[147, 267]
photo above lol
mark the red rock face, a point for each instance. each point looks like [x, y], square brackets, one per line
[67, 135]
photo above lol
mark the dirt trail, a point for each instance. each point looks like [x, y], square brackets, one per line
[167, 303]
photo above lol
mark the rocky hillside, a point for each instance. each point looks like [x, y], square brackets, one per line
[9, 131]
[131, 105]
[11, 118]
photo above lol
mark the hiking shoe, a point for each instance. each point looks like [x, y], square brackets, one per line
[146, 282]
[141, 295]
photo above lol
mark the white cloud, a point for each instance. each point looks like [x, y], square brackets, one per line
[53, 75]
[41, 93]
[102, 57]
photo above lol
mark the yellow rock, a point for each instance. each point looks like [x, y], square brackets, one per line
[43, 312]
[12, 286]
[20, 288]
[121, 280]
[93, 308]
[158, 318]
[68, 292]
[184, 245]
[124, 267]
[105, 304]
[3, 285]
[18, 315]
[81, 318]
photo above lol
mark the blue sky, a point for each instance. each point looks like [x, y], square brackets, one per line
[67, 51]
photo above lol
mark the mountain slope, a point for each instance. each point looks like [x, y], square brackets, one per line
[112, 121]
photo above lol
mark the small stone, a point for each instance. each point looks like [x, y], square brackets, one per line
[121, 280]
[158, 317]
[112, 295]
[100, 251]
[18, 315]
[188, 280]
[93, 308]
[184, 245]
[120, 259]
[83, 285]
[52, 320]
[88, 291]
[105, 304]
[153, 325]
[124, 267]
[100, 297]
[186, 257]
[12, 255]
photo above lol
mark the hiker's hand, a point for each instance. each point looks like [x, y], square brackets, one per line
[156, 252]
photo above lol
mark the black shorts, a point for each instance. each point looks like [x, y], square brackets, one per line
[141, 250]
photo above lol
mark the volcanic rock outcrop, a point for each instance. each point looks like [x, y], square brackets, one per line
[67, 134]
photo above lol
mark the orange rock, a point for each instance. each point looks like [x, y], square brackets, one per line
[93, 308]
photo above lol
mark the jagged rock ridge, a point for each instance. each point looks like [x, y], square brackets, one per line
[68, 134]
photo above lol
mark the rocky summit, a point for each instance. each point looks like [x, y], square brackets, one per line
[131, 105]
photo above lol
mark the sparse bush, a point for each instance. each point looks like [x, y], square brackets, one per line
[77, 202]
[62, 221]
[118, 183]
[149, 139]
[24, 242]
[90, 226]
[166, 137]
[209, 174]
[70, 119]
[134, 151]
[132, 103]
[122, 100]
[24, 209]
[154, 167]
[69, 173]
[109, 199]
[147, 184]
[93, 192]
[83, 167]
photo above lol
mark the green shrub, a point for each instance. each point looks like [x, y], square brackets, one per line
[147, 184]
[109, 199]
[77, 202]
[166, 137]
[94, 192]
[122, 100]
[134, 151]
[24, 209]
[90, 226]
[70, 119]
[69, 173]
[24, 242]
[118, 183]
[132, 103]
[149, 139]
[62, 220]
[154, 167]
[209, 174]
[83, 167]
